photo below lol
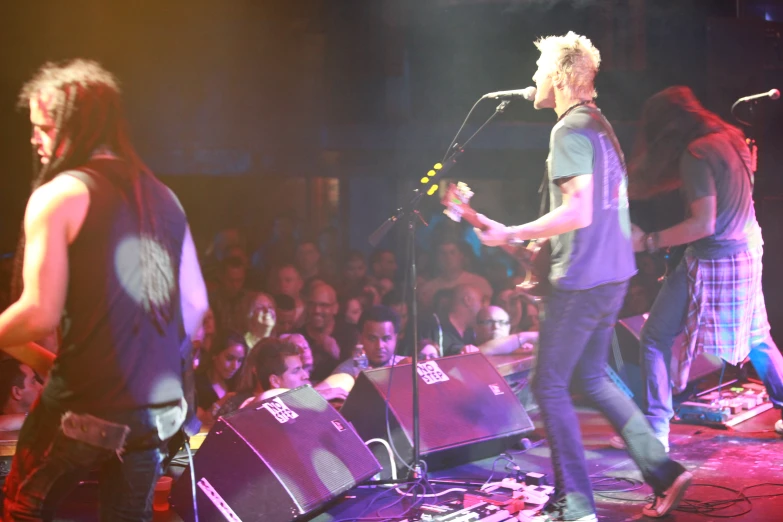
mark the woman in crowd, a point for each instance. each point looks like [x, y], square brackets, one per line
[217, 375]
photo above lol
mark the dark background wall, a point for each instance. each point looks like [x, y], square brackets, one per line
[244, 107]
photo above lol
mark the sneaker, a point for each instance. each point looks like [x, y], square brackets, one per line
[779, 427]
[617, 441]
[670, 499]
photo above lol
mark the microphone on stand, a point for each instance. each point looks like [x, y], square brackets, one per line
[774, 94]
[528, 93]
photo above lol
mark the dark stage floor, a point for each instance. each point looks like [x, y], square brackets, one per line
[748, 455]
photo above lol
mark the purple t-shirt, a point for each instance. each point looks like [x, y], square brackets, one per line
[581, 144]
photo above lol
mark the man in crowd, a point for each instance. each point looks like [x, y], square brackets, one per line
[450, 261]
[19, 388]
[330, 341]
[454, 331]
[286, 280]
[493, 333]
[378, 329]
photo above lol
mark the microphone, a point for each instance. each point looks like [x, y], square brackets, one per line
[774, 94]
[528, 93]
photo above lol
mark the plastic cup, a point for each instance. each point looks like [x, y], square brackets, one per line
[160, 502]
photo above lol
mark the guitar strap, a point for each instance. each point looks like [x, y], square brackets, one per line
[598, 117]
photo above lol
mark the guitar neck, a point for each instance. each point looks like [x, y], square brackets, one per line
[471, 216]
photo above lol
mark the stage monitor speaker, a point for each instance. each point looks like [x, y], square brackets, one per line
[629, 369]
[467, 410]
[276, 460]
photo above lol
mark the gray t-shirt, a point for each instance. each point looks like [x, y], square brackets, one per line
[715, 166]
[580, 145]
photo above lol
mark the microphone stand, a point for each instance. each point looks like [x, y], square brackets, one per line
[411, 211]
[750, 140]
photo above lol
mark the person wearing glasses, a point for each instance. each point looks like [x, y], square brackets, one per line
[494, 337]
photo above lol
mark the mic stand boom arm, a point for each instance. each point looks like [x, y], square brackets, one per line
[410, 210]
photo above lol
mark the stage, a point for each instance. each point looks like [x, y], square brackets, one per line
[748, 455]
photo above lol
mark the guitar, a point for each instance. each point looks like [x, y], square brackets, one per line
[533, 256]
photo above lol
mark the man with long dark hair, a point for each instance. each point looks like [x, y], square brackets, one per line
[589, 207]
[107, 249]
[715, 293]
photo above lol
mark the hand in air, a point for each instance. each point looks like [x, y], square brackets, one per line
[637, 238]
[493, 236]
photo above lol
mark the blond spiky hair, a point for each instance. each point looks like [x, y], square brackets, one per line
[575, 58]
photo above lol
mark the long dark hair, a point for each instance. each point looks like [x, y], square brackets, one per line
[671, 120]
[84, 101]
[224, 339]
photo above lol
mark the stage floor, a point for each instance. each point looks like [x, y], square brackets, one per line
[748, 455]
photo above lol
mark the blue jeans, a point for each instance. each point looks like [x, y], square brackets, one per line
[47, 462]
[574, 342]
[665, 322]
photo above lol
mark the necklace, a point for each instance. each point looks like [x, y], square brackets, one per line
[574, 106]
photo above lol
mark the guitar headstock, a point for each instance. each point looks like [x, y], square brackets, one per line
[456, 200]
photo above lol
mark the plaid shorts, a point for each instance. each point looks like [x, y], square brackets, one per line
[726, 310]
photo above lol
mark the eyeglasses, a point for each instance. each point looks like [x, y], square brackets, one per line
[494, 322]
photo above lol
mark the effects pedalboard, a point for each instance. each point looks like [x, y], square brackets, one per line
[726, 405]
[504, 501]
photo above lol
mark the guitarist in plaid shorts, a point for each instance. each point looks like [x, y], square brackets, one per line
[715, 293]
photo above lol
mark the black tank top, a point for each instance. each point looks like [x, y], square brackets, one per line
[112, 355]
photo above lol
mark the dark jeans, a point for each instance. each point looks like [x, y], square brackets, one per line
[47, 462]
[574, 342]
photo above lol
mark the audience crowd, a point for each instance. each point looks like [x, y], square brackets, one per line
[297, 311]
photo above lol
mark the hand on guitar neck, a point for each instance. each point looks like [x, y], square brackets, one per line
[456, 200]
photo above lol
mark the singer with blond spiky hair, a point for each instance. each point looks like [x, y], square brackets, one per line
[587, 183]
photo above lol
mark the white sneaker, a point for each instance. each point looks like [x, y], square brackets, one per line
[617, 441]
[670, 499]
[779, 427]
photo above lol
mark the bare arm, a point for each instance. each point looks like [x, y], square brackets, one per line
[509, 344]
[12, 421]
[576, 212]
[700, 224]
[193, 291]
[53, 218]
